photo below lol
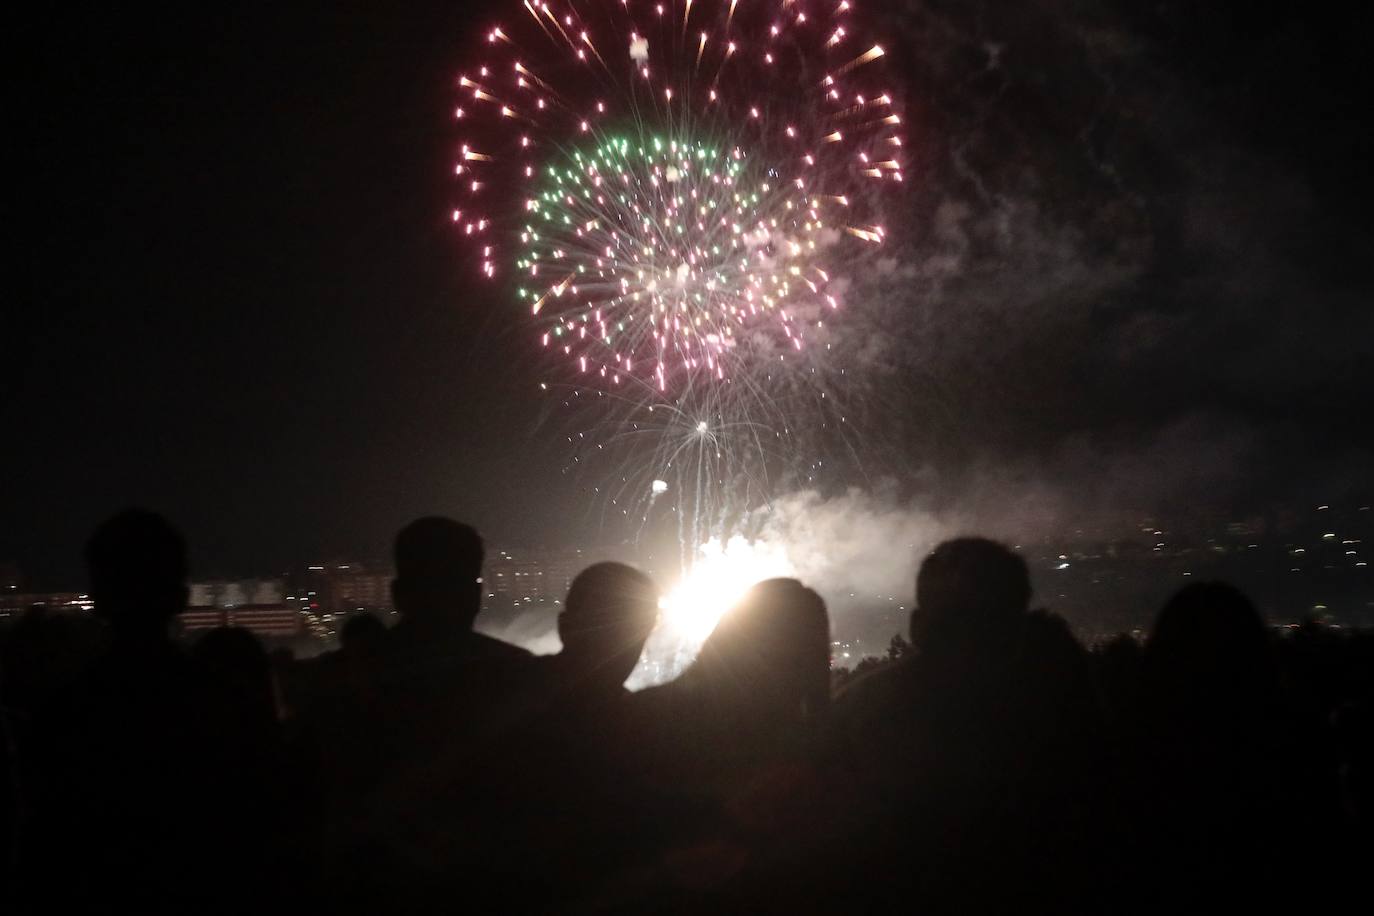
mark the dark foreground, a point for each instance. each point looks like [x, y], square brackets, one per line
[996, 766]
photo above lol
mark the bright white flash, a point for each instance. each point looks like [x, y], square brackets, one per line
[723, 572]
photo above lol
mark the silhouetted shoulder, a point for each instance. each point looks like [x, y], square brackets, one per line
[878, 682]
[489, 648]
[658, 699]
[870, 705]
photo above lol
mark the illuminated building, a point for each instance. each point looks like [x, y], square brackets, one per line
[514, 579]
[257, 605]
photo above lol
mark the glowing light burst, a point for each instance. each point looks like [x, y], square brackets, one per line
[722, 573]
[667, 183]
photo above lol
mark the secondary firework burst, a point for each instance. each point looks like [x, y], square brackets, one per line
[653, 253]
[672, 187]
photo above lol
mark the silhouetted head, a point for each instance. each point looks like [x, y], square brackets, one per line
[438, 571]
[969, 589]
[362, 634]
[236, 660]
[773, 647]
[611, 610]
[137, 566]
[1209, 644]
[232, 649]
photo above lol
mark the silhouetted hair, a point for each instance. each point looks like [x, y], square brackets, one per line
[438, 549]
[136, 562]
[1209, 639]
[610, 612]
[968, 584]
[232, 649]
[236, 659]
[609, 597]
[776, 640]
[362, 631]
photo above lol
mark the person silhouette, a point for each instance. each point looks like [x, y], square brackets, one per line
[139, 735]
[137, 565]
[576, 793]
[1208, 656]
[967, 750]
[262, 809]
[438, 681]
[439, 677]
[971, 597]
[235, 660]
[362, 635]
[427, 749]
[735, 735]
[610, 611]
[1216, 735]
[760, 680]
[769, 655]
[438, 593]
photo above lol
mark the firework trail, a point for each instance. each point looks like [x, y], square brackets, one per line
[676, 193]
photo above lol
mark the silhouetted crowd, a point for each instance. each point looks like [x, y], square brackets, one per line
[996, 766]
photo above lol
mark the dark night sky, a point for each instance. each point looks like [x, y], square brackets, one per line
[245, 307]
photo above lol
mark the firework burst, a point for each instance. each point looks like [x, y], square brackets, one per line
[662, 179]
[679, 194]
